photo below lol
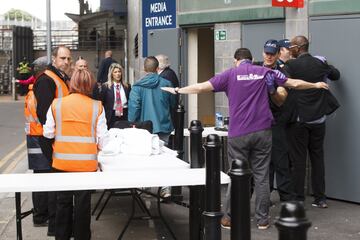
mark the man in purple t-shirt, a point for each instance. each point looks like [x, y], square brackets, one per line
[247, 87]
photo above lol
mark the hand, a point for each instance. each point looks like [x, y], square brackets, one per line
[322, 85]
[169, 89]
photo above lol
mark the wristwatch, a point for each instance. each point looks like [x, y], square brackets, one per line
[176, 90]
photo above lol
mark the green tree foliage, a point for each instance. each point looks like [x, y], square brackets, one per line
[17, 14]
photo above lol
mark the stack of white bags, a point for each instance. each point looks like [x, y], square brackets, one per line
[132, 145]
[132, 141]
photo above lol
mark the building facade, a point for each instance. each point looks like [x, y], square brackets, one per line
[211, 30]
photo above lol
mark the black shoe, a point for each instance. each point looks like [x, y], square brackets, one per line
[51, 234]
[320, 204]
[41, 224]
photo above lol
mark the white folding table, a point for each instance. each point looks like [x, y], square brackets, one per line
[129, 177]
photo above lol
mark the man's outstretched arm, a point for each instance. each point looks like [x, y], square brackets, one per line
[192, 89]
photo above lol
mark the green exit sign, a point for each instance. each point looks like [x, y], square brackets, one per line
[220, 35]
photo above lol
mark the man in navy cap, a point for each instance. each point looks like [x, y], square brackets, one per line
[279, 164]
[271, 54]
[284, 46]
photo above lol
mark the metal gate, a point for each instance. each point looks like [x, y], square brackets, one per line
[15, 44]
[337, 39]
[255, 34]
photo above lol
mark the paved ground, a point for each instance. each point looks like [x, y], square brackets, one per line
[341, 221]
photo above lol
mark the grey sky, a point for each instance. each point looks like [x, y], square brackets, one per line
[38, 7]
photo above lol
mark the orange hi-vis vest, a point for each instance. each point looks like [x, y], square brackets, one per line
[33, 126]
[75, 147]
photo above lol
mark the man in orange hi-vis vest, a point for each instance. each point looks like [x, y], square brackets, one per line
[50, 85]
[36, 159]
[78, 124]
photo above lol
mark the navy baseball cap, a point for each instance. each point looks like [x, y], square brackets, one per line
[284, 43]
[271, 46]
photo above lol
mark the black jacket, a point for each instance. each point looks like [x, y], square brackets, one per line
[103, 71]
[44, 91]
[311, 104]
[107, 98]
[170, 75]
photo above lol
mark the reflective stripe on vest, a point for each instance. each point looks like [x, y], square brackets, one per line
[68, 156]
[75, 139]
[34, 151]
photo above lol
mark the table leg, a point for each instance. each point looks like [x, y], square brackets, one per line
[133, 193]
[18, 216]
[161, 216]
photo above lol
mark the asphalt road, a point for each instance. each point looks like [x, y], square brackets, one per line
[12, 135]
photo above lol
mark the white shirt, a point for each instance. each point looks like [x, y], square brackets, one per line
[102, 135]
[122, 96]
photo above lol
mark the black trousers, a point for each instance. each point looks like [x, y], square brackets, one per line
[114, 118]
[44, 206]
[306, 139]
[73, 215]
[40, 204]
[280, 163]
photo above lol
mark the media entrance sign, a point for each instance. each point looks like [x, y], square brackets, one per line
[157, 14]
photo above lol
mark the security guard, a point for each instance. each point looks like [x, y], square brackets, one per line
[50, 85]
[78, 124]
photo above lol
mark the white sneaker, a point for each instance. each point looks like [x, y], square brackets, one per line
[165, 192]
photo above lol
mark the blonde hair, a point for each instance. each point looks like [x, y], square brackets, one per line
[110, 80]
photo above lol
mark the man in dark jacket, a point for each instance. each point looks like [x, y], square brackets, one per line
[167, 73]
[102, 75]
[45, 91]
[306, 132]
[279, 164]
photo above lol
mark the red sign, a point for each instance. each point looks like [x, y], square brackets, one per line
[288, 3]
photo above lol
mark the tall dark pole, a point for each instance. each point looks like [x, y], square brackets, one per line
[240, 174]
[179, 130]
[292, 223]
[196, 192]
[212, 214]
[176, 192]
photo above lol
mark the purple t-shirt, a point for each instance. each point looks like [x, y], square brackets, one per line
[247, 87]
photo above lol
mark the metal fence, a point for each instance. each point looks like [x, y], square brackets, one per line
[76, 41]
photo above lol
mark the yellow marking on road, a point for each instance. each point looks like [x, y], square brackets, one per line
[11, 154]
[15, 162]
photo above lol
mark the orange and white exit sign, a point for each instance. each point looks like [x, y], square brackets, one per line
[288, 3]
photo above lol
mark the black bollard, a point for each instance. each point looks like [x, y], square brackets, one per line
[292, 223]
[240, 175]
[196, 192]
[176, 192]
[212, 214]
[179, 131]
[196, 149]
